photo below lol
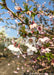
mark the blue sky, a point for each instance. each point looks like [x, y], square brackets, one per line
[11, 32]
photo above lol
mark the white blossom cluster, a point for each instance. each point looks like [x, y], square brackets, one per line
[31, 43]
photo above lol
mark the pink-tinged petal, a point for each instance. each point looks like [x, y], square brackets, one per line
[52, 38]
[43, 64]
[18, 68]
[22, 67]
[18, 56]
[27, 70]
[42, 5]
[8, 64]
[38, 15]
[15, 72]
[18, 8]
[46, 74]
[25, 64]
[42, 33]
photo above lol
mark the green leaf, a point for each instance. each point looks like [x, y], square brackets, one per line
[33, 15]
[48, 59]
[34, 9]
[3, 1]
[26, 21]
[19, 23]
[3, 7]
[47, 45]
[29, 34]
[14, 14]
[23, 28]
[26, 6]
[30, 7]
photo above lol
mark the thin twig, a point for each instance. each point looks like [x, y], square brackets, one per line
[47, 67]
[4, 4]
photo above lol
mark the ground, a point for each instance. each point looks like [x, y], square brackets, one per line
[15, 65]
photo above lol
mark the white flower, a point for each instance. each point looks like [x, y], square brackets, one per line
[34, 25]
[10, 14]
[40, 41]
[46, 50]
[34, 49]
[10, 47]
[27, 40]
[46, 39]
[16, 21]
[28, 45]
[43, 40]
[29, 51]
[31, 26]
[14, 50]
[17, 8]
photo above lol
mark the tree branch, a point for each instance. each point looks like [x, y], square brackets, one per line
[43, 69]
[4, 4]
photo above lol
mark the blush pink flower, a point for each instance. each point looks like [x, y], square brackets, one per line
[45, 73]
[38, 15]
[18, 8]
[42, 32]
[10, 14]
[53, 39]
[34, 25]
[27, 70]
[15, 72]
[8, 64]
[46, 50]
[18, 68]
[46, 39]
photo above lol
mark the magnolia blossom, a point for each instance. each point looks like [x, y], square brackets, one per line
[46, 50]
[14, 50]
